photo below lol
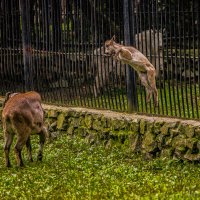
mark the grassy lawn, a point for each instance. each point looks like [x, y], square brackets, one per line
[73, 169]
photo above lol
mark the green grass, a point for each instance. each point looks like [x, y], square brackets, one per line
[73, 169]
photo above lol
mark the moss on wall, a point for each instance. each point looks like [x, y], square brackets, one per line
[151, 136]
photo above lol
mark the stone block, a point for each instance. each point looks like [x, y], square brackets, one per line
[166, 153]
[149, 143]
[60, 120]
[157, 127]
[192, 157]
[167, 126]
[189, 131]
[52, 113]
[88, 121]
[143, 126]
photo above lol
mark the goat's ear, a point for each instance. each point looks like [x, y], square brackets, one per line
[8, 95]
[113, 38]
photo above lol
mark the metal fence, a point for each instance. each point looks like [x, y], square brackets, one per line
[56, 48]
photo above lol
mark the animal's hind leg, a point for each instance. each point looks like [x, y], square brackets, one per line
[21, 140]
[151, 74]
[42, 136]
[29, 149]
[8, 141]
[144, 81]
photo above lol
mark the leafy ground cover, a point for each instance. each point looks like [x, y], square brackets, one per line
[73, 169]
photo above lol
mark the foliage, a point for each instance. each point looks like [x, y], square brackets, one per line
[73, 169]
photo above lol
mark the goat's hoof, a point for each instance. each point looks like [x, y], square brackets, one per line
[156, 104]
[21, 165]
[8, 165]
[39, 158]
[148, 100]
[31, 159]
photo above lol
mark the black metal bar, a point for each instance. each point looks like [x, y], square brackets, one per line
[187, 113]
[26, 40]
[131, 82]
[176, 62]
[172, 86]
[180, 57]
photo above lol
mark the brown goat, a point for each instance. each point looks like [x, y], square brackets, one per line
[131, 56]
[23, 115]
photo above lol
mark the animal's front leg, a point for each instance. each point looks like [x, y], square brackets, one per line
[29, 149]
[124, 55]
[116, 55]
[42, 136]
[18, 148]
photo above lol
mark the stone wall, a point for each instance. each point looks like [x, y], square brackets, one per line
[151, 136]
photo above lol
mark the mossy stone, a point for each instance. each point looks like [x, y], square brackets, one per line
[52, 113]
[73, 113]
[192, 157]
[167, 126]
[117, 124]
[70, 130]
[191, 143]
[166, 153]
[197, 133]
[189, 131]
[97, 125]
[178, 141]
[88, 121]
[75, 122]
[134, 125]
[135, 142]
[60, 120]
[81, 131]
[149, 143]
[157, 127]
[143, 126]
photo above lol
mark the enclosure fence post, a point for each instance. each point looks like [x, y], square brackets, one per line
[26, 43]
[129, 40]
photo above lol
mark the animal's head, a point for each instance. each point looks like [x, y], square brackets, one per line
[8, 96]
[109, 46]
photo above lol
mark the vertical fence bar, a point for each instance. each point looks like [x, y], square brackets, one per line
[131, 83]
[26, 41]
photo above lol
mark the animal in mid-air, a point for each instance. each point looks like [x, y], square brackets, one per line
[131, 56]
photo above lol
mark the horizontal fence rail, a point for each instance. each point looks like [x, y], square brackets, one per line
[56, 47]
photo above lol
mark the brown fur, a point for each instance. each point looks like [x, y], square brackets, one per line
[131, 56]
[22, 116]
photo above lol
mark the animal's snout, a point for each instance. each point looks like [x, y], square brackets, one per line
[109, 52]
[106, 54]
[106, 51]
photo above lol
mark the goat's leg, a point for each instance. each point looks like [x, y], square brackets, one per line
[18, 148]
[144, 81]
[151, 75]
[29, 149]
[123, 54]
[8, 141]
[42, 136]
